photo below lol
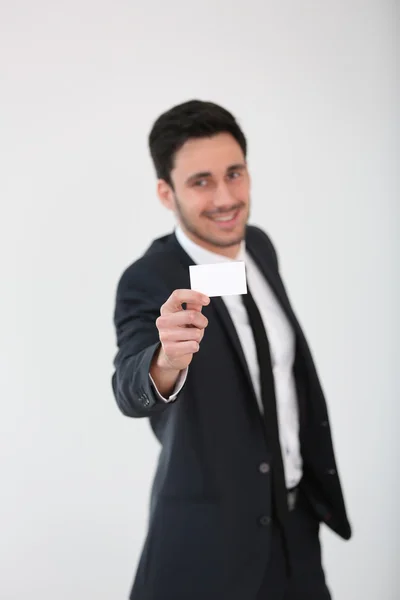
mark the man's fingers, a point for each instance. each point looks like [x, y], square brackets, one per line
[181, 319]
[174, 350]
[194, 306]
[181, 331]
[182, 334]
[179, 297]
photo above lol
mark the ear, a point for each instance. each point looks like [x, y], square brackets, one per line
[165, 194]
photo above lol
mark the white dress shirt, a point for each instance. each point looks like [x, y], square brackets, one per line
[282, 347]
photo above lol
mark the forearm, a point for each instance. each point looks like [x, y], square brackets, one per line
[132, 387]
[164, 377]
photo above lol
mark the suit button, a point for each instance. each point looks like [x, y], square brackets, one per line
[331, 471]
[144, 399]
[264, 468]
[264, 520]
[324, 424]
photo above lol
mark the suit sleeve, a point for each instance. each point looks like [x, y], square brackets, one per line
[138, 301]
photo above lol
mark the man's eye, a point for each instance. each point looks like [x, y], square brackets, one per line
[234, 175]
[200, 182]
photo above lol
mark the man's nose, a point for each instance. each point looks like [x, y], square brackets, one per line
[223, 197]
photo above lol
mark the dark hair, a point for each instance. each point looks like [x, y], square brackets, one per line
[192, 119]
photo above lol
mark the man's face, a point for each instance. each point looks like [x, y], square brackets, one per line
[211, 192]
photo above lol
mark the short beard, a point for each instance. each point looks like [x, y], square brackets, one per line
[199, 235]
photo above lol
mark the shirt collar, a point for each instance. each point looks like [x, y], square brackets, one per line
[202, 256]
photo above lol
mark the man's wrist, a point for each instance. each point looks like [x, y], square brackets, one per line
[163, 375]
[161, 362]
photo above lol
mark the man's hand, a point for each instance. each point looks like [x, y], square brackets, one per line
[180, 331]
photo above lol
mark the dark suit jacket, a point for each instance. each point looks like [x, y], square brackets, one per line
[206, 539]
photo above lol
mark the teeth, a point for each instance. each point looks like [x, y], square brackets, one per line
[227, 218]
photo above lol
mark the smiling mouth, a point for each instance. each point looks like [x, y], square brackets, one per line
[227, 218]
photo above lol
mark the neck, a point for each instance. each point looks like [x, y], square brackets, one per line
[228, 251]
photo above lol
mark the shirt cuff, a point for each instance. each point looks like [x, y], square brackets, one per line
[178, 386]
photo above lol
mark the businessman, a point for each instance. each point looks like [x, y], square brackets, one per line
[246, 471]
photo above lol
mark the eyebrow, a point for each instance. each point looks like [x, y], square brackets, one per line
[237, 167]
[204, 174]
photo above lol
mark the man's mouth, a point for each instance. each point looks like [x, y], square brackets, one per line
[227, 218]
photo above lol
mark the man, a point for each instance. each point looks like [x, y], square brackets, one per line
[246, 471]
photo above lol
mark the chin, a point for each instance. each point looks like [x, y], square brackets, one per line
[227, 241]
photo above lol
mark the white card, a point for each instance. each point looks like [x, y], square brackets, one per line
[219, 279]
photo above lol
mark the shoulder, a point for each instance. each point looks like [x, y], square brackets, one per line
[152, 270]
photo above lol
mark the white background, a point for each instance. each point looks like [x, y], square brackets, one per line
[313, 85]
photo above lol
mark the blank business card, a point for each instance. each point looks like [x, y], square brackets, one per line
[219, 279]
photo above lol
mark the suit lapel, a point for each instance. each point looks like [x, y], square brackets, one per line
[271, 274]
